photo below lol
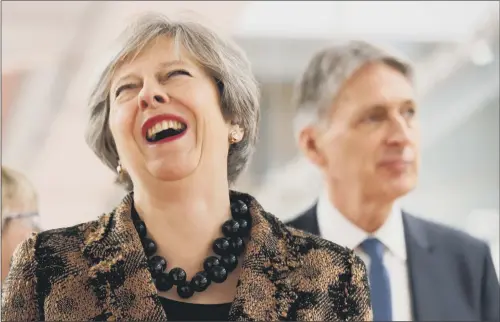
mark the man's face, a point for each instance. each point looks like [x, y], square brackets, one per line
[370, 139]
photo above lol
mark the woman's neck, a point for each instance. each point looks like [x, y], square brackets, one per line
[184, 219]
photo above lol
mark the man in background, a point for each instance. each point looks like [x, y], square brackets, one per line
[19, 213]
[362, 131]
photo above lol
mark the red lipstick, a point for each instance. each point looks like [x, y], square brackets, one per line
[149, 123]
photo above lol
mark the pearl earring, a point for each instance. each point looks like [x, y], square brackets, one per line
[232, 138]
[120, 169]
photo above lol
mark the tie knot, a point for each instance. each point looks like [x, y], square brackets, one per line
[373, 248]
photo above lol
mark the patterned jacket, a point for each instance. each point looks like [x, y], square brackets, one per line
[98, 271]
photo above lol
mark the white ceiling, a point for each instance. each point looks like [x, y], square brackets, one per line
[41, 32]
[397, 20]
[283, 59]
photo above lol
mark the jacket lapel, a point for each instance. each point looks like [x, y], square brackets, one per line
[118, 275]
[264, 292]
[120, 279]
[425, 272]
[308, 221]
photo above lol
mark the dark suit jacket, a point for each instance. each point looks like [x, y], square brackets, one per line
[98, 271]
[451, 274]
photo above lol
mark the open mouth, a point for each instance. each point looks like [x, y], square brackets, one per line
[165, 130]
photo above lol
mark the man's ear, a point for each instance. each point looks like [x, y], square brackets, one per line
[308, 143]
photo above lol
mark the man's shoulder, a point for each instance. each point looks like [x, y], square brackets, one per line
[305, 220]
[444, 235]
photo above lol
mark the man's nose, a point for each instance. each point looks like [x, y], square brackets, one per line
[399, 132]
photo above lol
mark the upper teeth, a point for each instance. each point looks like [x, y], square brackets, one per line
[163, 125]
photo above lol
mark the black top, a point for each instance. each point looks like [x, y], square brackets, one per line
[181, 311]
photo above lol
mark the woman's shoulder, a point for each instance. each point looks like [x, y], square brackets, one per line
[316, 242]
[330, 270]
[66, 239]
[323, 253]
[340, 255]
[305, 245]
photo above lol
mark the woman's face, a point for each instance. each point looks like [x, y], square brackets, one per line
[165, 116]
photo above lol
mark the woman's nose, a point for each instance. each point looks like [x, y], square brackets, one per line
[152, 98]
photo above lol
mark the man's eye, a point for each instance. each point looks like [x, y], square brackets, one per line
[410, 112]
[375, 117]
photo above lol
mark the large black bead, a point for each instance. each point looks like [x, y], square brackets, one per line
[230, 228]
[141, 228]
[239, 209]
[157, 264]
[229, 262]
[200, 282]
[210, 262]
[163, 282]
[185, 291]
[221, 246]
[244, 230]
[149, 246]
[237, 246]
[178, 276]
[218, 274]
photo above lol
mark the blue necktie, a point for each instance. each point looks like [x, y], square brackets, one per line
[380, 286]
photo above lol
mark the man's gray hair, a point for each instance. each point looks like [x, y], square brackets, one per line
[221, 58]
[329, 69]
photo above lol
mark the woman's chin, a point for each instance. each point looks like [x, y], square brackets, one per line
[171, 171]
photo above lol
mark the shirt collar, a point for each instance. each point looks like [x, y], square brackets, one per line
[335, 227]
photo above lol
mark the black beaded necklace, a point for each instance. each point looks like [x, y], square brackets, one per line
[215, 269]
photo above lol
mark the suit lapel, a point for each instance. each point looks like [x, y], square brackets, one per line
[425, 266]
[308, 221]
[425, 272]
[264, 291]
[118, 275]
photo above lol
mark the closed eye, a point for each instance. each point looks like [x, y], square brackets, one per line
[124, 87]
[178, 72]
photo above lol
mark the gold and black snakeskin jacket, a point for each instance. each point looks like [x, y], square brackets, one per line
[98, 271]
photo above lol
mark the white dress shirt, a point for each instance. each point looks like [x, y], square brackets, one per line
[335, 227]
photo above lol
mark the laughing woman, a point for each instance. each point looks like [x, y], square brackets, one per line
[176, 114]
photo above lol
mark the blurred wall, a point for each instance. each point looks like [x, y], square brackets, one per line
[48, 70]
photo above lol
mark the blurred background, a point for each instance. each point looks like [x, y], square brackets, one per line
[52, 52]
